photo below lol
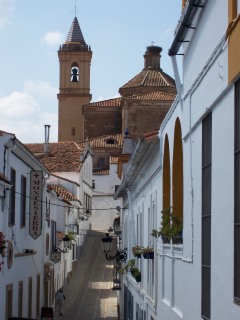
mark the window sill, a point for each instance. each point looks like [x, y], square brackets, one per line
[24, 254]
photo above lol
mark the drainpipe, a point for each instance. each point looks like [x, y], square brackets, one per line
[130, 223]
[177, 79]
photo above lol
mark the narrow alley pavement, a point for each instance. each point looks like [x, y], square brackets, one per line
[89, 294]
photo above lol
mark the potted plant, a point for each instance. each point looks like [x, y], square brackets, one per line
[3, 246]
[148, 253]
[171, 227]
[136, 273]
[137, 251]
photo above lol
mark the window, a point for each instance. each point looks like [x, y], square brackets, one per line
[111, 141]
[206, 214]
[237, 195]
[11, 217]
[9, 301]
[23, 201]
[20, 299]
[73, 131]
[38, 295]
[30, 297]
[87, 203]
[53, 235]
[101, 163]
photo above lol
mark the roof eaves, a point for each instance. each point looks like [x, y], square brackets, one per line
[185, 23]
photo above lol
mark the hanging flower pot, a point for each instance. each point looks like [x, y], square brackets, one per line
[137, 251]
[138, 278]
[148, 253]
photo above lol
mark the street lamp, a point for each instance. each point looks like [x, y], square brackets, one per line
[121, 255]
[66, 242]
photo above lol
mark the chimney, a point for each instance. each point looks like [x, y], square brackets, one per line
[152, 58]
[46, 144]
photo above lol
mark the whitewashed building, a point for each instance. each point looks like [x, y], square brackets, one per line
[199, 277]
[23, 225]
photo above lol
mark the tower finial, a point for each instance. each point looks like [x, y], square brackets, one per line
[75, 8]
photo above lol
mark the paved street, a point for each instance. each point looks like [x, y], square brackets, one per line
[89, 294]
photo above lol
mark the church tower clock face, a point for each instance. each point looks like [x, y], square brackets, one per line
[74, 84]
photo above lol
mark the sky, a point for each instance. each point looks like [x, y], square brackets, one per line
[31, 32]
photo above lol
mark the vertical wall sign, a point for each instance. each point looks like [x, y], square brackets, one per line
[35, 216]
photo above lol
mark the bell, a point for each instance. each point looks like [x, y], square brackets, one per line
[74, 75]
[74, 78]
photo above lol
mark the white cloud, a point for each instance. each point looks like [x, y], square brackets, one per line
[41, 88]
[52, 38]
[6, 8]
[169, 31]
[117, 95]
[22, 116]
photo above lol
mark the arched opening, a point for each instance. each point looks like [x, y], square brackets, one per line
[74, 73]
[166, 175]
[177, 172]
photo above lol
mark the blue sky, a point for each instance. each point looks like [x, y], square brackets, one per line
[31, 32]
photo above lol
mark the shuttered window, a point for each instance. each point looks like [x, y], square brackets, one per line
[206, 214]
[23, 201]
[237, 195]
[12, 198]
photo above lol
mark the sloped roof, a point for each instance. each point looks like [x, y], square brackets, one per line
[153, 96]
[75, 33]
[63, 193]
[116, 102]
[3, 178]
[113, 160]
[104, 141]
[150, 78]
[101, 172]
[62, 156]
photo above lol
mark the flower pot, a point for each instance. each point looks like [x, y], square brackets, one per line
[137, 255]
[138, 278]
[165, 239]
[149, 255]
[177, 239]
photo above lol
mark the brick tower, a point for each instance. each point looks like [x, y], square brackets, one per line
[74, 87]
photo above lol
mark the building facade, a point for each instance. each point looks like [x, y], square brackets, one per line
[196, 276]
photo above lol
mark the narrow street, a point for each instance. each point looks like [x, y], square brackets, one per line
[89, 294]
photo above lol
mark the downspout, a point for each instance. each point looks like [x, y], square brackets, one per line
[130, 223]
[177, 79]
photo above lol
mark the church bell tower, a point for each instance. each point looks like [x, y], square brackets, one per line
[74, 85]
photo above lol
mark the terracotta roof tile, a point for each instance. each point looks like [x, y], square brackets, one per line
[105, 103]
[150, 78]
[107, 141]
[150, 136]
[63, 193]
[101, 172]
[153, 96]
[62, 157]
[113, 160]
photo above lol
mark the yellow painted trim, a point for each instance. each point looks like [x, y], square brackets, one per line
[233, 36]
[166, 175]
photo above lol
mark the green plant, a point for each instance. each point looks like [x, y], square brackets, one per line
[137, 251]
[3, 246]
[171, 225]
[128, 266]
[147, 250]
[136, 273]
